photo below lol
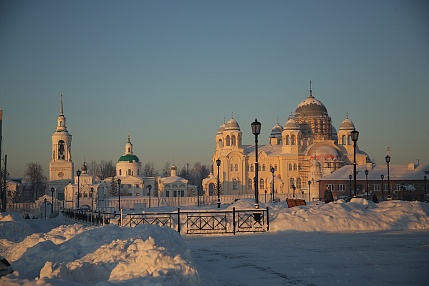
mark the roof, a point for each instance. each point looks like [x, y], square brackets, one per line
[396, 173]
[131, 158]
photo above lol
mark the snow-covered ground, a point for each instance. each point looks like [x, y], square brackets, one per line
[355, 243]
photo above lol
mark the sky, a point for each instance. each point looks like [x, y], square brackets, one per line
[169, 73]
[316, 244]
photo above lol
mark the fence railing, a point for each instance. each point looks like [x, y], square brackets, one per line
[188, 221]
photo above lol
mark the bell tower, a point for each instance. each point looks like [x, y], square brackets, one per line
[61, 165]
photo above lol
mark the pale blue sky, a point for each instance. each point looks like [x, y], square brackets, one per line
[168, 72]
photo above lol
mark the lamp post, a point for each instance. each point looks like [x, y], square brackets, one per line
[52, 204]
[256, 130]
[119, 193]
[367, 186]
[309, 191]
[425, 177]
[78, 172]
[388, 176]
[272, 190]
[198, 196]
[355, 136]
[350, 186]
[382, 187]
[150, 188]
[92, 199]
[293, 188]
[45, 208]
[92, 204]
[218, 183]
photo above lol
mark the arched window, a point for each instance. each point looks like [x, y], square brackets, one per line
[129, 172]
[263, 168]
[236, 167]
[232, 167]
[120, 172]
[228, 141]
[343, 140]
[293, 139]
[294, 167]
[298, 183]
[261, 184]
[290, 167]
[233, 140]
[251, 168]
[349, 140]
[249, 183]
[287, 140]
[292, 182]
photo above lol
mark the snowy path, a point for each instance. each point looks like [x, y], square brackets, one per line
[292, 258]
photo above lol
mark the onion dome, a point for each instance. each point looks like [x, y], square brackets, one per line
[232, 125]
[311, 107]
[221, 129]
[173, 168]
[276, 131]
[84, 168]
[291, 123]
[130, 158]
[347, 124]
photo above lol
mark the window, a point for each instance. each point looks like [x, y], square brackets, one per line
[295, 167]
[227, 140]
[341, 187]
[167, 194]
[234, 184]
[236, 167]
[331, 187]
[249, 183]
[298, 183]
[293, 139]
[120, 172]
[232, 167]
[233, 140]
[251, 168]
[130, 194]
[292, 182]
[275, 167]
[137, 194]
[261, 184]
[375, 187]
[349, 140]
[287, 140]
[290, 167]
[263, 168]
[343, 140]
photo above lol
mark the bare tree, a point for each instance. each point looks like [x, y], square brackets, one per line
[93, 168]
[149, 170]
[34, 175]
[166, 170]
[107, 169]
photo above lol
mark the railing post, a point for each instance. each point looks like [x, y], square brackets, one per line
[268, 220]
[178, 220]
[233, 220]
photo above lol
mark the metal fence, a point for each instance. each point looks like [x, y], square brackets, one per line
[189, 221]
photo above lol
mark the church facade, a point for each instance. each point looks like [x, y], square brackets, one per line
[298, 154]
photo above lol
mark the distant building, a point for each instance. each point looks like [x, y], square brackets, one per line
[61, 167]
[406, 181]
[305, 149]
[175, 186]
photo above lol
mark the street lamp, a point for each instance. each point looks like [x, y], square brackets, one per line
[119, 193]
[367, 186]
[256, 130]
[52, 204]
[382, 187]
[92, 204]
[272, 191]
[45, 208]
[218, 183]
[355, 136]
[425, 177]
[150, 188]
[293, 188]
[198, 195]
[350, 179]
[388, 176]
[92, 199]
[78, 172]
[309, 192]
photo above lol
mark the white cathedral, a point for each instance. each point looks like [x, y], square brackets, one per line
[301, 152]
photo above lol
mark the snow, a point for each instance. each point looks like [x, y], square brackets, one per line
[354, 243]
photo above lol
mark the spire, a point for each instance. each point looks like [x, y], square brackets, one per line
[61, 105]
[311, 91]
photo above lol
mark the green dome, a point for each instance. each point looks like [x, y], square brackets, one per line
[128, 158]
